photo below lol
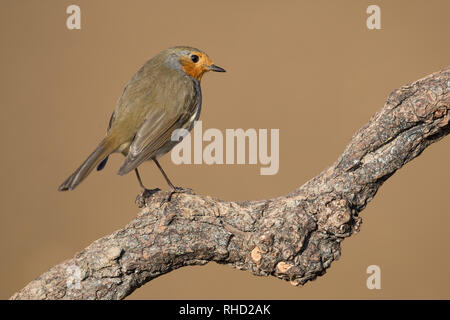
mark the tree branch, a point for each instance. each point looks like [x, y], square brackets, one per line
[295, 237]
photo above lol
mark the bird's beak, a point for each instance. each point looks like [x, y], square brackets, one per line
[215, 68]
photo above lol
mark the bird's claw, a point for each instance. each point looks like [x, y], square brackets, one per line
[179, 190]
[141, 199]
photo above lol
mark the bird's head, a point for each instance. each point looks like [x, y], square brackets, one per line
[192, 61]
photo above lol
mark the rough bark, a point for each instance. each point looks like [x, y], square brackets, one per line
[295, 237]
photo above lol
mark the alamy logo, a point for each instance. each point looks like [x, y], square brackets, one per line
[374, 20]
[374, 280]
[232, 151]
[74, 20]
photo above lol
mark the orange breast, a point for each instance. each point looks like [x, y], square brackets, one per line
[194, 70]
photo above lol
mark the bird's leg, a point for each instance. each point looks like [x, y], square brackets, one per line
[174, 189]
[140, 200]
[138, 176]
[164, 174]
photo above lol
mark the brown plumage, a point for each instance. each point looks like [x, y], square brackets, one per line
[164, 95]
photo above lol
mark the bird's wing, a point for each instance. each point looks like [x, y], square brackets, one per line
[157, 130]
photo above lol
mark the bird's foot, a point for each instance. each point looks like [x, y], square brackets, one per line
[179, 190]
[141, 199]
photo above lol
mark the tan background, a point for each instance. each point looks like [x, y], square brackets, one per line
[309, 68]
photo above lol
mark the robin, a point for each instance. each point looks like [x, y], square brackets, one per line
[164, 95]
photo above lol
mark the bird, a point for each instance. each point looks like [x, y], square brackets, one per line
[162, 96]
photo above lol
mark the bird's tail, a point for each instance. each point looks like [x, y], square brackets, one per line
[100, 153]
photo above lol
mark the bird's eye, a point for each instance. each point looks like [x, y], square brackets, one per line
[194, 58]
